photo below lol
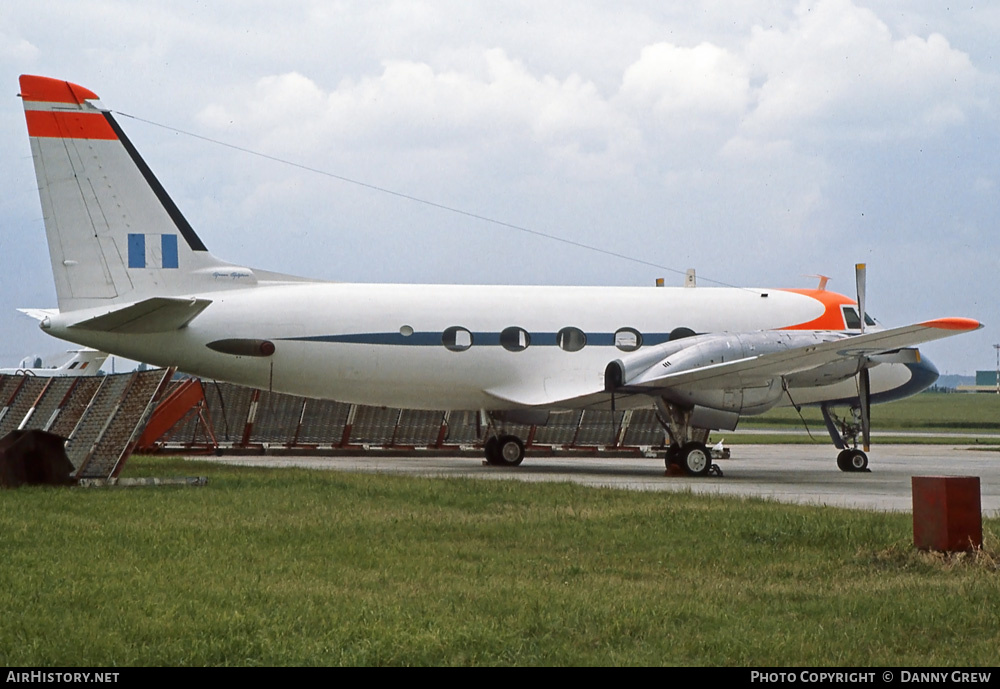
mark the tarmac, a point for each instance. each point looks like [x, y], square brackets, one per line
[802, 474]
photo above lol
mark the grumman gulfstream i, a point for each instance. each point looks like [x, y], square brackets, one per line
[134, 279]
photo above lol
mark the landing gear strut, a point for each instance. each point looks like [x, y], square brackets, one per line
[687, 443]
[844, 434]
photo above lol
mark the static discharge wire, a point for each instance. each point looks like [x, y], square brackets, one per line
[426, 202]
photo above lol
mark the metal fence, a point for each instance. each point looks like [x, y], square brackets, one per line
[232, 416]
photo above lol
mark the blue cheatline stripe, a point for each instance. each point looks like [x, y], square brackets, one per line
[481, 339]
[168, 247]
[137, 251]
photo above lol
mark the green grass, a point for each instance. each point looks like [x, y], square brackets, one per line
[296, 567]
[928, 411]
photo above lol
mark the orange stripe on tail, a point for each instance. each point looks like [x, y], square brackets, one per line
[68, 125]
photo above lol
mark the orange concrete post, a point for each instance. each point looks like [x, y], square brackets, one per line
[947, 513]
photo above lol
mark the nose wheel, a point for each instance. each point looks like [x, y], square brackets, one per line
[852, 460]
[844, 433]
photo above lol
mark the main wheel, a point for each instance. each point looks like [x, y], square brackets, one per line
[510, 451]
[492, 451]
[673, 455]
[696, 459]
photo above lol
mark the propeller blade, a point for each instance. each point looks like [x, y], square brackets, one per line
[859, 274]
[865, 394]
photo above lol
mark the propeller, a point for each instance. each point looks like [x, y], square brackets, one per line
[864, 376]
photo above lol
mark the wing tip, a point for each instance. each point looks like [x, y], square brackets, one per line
[954, 323]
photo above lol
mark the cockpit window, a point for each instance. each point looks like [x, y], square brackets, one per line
[852, 321]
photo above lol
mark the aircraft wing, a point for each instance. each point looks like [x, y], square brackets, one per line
[743, 371]
[771, 365]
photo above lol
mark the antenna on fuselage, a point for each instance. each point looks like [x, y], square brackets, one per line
[823, 279]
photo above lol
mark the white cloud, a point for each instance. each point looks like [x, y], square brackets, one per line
[687, 82]
[837, 70]
[410, 105]
[17, 49]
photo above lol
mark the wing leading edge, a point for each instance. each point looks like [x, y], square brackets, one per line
[804, 358]
[774, 354]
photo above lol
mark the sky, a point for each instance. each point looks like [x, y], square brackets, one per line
[758, 143]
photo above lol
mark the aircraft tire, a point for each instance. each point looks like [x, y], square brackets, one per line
[843, 460]
[852, 460]
[673, 455]
[858, 461]
[696, 459]
[510, 451]
[492, 451]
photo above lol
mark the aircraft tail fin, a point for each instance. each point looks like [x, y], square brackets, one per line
[114, 234]
[85, 362]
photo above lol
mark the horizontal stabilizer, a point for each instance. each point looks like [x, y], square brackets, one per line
[155, 315]
[39, 314]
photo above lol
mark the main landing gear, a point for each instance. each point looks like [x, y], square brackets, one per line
[504, 450]
[688, 449]
[693, 457]
[844, 434]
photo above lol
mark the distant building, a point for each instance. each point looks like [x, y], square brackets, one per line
[986, 381]
[986, 378]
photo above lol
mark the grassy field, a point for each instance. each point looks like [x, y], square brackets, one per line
[937, 417]
[296, 567]
[928, 411]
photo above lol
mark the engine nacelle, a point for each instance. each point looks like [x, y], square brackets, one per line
[743, 393]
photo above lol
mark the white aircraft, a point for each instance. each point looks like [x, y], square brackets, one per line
[84, 362]
[133, 278]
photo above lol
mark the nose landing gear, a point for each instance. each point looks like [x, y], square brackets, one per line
[844, 434]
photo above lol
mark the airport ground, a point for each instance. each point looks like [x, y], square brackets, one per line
[319, 567]
[803, 474]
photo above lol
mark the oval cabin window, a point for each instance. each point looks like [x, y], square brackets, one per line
[456, 339]
[515, 339]
[571, 339]
[628, 339]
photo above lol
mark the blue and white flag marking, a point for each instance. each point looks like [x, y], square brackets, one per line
[152, 251]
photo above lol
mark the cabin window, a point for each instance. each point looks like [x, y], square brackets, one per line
[571, 339]
[456, 338]
[628, 339]
[515, 339]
